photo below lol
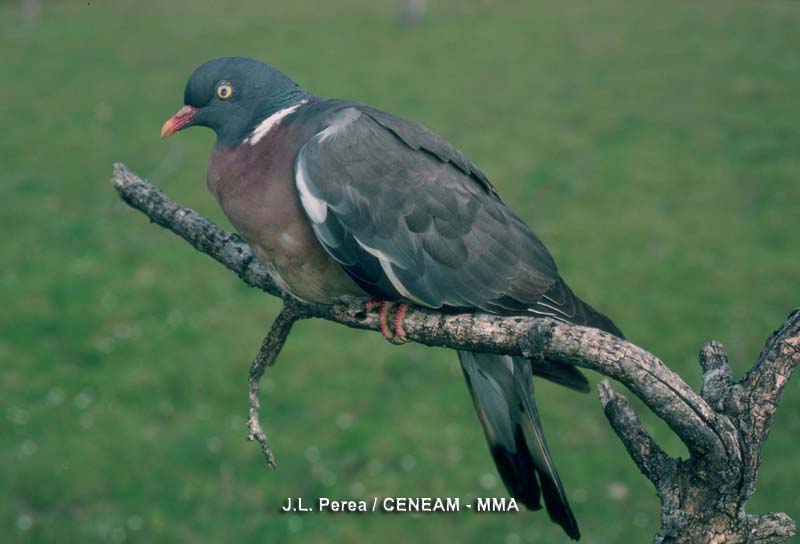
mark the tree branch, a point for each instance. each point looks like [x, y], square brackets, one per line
[723, 427]
[201, 233]
[648, 456]
[716, 381]
[267, 355]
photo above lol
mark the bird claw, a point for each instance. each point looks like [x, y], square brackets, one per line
[395, 333]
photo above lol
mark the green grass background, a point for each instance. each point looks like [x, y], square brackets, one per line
[653, 146]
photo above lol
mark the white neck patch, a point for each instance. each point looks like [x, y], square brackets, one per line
[265, 126]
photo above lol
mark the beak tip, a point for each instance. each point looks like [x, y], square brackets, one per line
[178, 121]
[168, 129]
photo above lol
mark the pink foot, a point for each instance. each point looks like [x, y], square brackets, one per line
[394, 333]
[383, 319]
[399, 331]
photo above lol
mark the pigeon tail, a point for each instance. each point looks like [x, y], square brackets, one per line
[502, 390]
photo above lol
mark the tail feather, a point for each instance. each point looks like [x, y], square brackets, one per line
[559, 302]
[555, 498]
[565, 375]
[502, 391]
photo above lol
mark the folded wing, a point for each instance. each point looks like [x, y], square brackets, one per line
[407, 216]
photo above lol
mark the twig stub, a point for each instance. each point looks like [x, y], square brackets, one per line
[267, 355]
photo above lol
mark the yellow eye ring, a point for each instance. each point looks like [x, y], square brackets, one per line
[224, 90]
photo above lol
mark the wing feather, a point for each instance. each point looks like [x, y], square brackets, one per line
[407, 215]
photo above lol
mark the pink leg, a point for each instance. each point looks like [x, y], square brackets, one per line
[399, 332]
[383, 319]
[394, 333]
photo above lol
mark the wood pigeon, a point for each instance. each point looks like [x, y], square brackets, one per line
[345, 203]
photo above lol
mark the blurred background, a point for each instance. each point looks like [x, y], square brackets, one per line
[654, 147]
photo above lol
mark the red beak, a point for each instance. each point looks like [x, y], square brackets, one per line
[178, 121]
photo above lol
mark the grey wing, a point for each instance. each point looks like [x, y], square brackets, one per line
[407, 216]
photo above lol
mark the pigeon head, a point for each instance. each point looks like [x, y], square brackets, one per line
[231, 96]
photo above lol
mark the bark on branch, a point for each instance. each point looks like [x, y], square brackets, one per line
[724, 426]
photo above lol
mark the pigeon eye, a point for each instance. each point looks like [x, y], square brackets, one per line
[224, 90]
